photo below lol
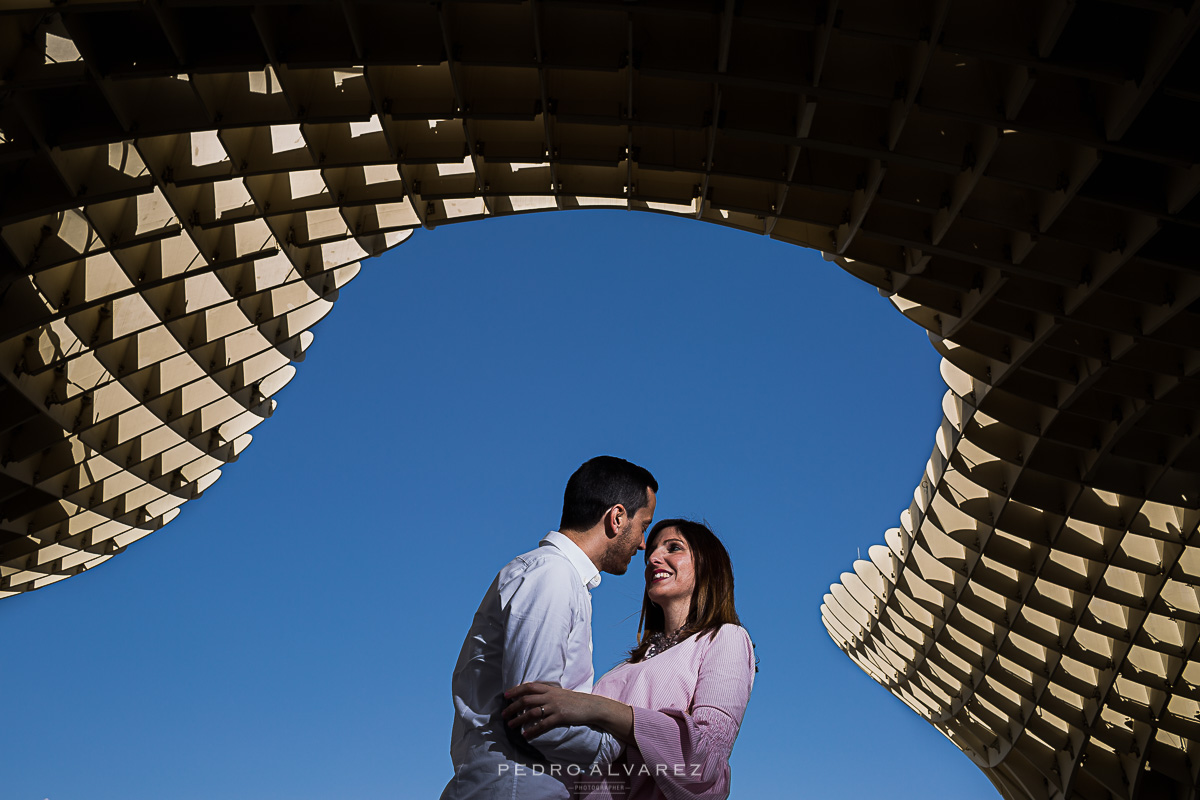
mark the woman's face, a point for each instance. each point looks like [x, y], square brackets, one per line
[670, 572]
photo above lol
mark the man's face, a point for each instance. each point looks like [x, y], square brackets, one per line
[630, 538]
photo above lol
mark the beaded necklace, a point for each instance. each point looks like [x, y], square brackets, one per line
[660, 641]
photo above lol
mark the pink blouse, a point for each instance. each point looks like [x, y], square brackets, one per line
[688, 704]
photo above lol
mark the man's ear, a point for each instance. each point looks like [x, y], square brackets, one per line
[613, 519]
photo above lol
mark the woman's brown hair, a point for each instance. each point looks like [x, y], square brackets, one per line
[712, 597]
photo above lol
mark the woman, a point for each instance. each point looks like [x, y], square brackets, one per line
[678, 701]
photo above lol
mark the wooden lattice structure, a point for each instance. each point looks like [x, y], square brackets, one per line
[186, 186]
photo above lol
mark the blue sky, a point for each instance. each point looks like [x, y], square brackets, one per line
[291, 635]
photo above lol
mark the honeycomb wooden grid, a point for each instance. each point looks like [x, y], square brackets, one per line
[186, 186]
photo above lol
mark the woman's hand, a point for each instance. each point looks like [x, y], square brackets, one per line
[538, 707]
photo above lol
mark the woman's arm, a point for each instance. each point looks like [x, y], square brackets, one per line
[688, 751]
[538, 707]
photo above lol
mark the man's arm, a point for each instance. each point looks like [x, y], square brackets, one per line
[539, 610]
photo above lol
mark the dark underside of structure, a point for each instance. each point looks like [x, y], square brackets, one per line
[185, 186]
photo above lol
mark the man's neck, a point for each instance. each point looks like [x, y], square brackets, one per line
[588, 542]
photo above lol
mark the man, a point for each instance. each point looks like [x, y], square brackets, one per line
[535, 624]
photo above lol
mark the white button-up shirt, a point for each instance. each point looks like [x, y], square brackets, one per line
[534, 624]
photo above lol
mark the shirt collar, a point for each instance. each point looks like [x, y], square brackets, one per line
[583, 565]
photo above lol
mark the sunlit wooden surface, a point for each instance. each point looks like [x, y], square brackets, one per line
[185, 187]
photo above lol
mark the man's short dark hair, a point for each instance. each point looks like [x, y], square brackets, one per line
[598, 485]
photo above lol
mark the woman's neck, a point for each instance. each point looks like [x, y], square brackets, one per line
[674, 616]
